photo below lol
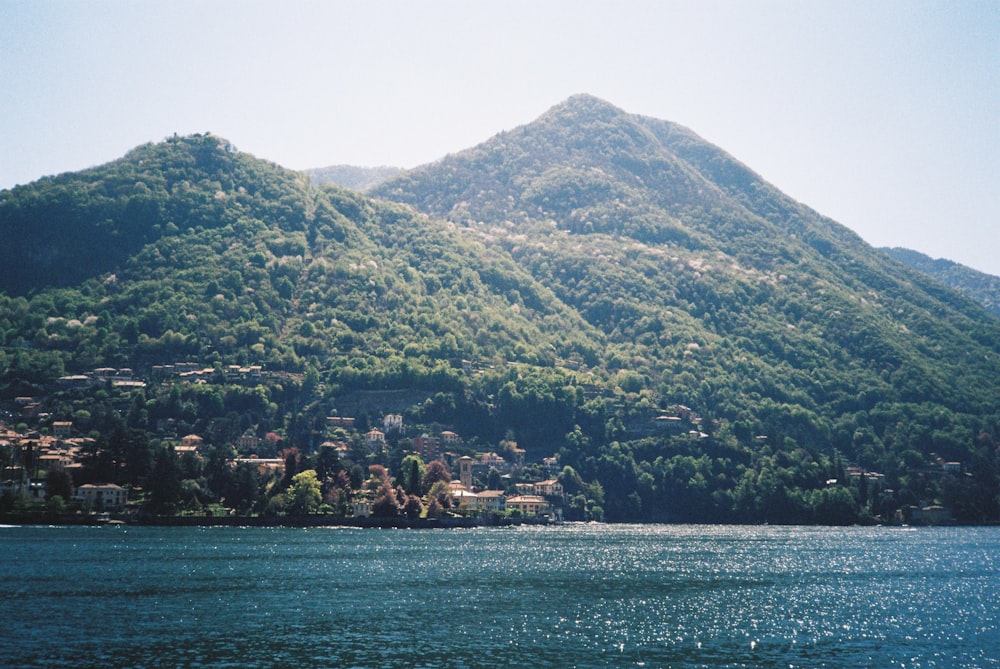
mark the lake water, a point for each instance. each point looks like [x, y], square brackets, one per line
[574, 595]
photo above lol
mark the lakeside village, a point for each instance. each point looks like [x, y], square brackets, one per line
[343, 480]
[41, 462]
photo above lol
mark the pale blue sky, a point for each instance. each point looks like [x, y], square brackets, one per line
[883, 115]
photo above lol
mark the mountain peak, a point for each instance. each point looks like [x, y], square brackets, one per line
[65, 229]
[587, 104]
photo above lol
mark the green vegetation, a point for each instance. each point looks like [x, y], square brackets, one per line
[983, 288]
[693, 345]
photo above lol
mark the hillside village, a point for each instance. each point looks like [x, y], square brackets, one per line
[42, 457]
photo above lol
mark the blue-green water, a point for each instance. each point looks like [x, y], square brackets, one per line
[576, 595]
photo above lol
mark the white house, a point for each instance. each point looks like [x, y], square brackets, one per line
[107, 496]
[529, 504]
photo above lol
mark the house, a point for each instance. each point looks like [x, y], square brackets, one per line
[247, 443]
[491, 459]
[486, 461]
[105, 497]
[549, 488]
[924, 515]
[263, 465]
[375, 437]
[449, 438]
[668, 423]
[492, 500]
[36, 490]
[392, 422]
[189, 444]
[75, 381]
[529, 504]
[362, 508]
[62, 428]
[339, 421]
[465, 499]
[52, 458]
[875, 480]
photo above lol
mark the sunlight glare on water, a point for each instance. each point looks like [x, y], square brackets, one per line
[574, 595]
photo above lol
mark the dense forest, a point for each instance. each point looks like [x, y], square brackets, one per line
[601, 288]
[983, 288]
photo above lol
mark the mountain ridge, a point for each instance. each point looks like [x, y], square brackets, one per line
[982, 287]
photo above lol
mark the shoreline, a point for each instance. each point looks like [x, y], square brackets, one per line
[369, 522]
[317, 520]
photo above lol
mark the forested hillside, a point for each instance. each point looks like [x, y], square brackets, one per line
[605, 288]
[716, 291]
[983, 288]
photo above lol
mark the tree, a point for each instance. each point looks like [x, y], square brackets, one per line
[242, 489]
[494, 480]
[434, 509]
[386, 505]
[291, 458]
[165, 483]
[440, 493]
[834, 505]
[412, 507]
[304, 494]
[55, 506]
[58, 482]
[570, 480]
[327, 461]
[435, 472]
[412, 473]
[378, 476]
[337, 492]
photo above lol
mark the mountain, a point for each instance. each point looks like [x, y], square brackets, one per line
[188, 248]
[600, 286]
[687, 261]
[350, 176]
[981, 287]
[716, 291]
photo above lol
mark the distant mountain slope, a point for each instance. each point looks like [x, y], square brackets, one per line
[350, 176]
[981, 287]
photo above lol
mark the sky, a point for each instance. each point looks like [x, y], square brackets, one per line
[884, 116]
